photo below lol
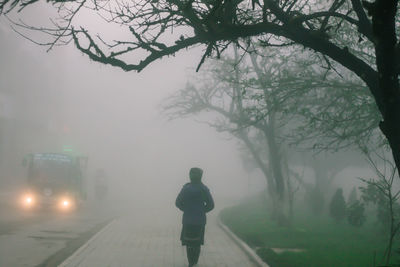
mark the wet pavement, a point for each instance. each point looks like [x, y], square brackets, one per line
[134, 236]
[44, 238]
[153, 240]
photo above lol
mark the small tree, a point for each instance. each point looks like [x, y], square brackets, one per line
[352, 197]
[337, 208]
[356, 213]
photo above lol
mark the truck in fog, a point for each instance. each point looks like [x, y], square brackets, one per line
[54, 181]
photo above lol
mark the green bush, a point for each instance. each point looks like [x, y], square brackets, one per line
[356, 214]
[337, 208]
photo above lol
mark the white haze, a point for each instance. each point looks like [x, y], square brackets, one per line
[114, 117]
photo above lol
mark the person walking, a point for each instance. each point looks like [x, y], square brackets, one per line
[195, 201]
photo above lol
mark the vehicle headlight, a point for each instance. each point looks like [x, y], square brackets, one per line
[65, 203]
[27, 200]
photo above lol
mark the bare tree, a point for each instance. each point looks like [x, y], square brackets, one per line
[340, 31]
[223, 94]
[382, 191]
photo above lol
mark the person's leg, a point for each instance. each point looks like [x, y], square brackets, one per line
[196, 254]
[196, 248]
[190, 251]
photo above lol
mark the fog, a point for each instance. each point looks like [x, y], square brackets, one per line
[262, 122]
[61, 98]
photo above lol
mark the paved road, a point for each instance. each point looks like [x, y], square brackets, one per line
[143, 234]
[44, 238]
[151, 239]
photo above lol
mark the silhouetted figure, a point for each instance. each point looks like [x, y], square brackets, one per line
[195, 201]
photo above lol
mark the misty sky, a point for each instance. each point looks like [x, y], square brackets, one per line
[114, 117]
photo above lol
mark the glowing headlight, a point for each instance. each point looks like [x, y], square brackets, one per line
[28, 200]
[66, 203]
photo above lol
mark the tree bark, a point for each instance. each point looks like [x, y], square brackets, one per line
[275, 158]
[269, 130]
[270, 182]
[383, 14]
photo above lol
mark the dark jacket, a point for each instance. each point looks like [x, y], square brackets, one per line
[195, 201]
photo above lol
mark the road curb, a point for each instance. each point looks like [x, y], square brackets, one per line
[246, 249]
[85, 245]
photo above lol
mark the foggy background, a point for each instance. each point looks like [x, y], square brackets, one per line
[61, 98]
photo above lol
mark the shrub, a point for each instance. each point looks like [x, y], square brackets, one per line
[337, 207]
[355, 214]
[371, 194]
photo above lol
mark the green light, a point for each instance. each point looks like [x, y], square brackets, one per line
[67, 149]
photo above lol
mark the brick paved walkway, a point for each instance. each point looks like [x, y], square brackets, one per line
[153, 240]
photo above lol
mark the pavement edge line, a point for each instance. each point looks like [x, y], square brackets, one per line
[85, 245]
[246, 249]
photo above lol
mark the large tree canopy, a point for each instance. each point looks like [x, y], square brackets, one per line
[160, 28]
[360, 36]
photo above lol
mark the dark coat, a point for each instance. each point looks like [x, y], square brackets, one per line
[195, 201]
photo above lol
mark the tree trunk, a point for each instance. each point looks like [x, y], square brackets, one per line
[290, 190]
[270, 182]
[275, 158]
[383, 14]
[277, 211]
[269, 129]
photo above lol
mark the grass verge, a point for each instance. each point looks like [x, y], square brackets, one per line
[324, 242]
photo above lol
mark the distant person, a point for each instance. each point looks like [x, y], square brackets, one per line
[195, 201]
